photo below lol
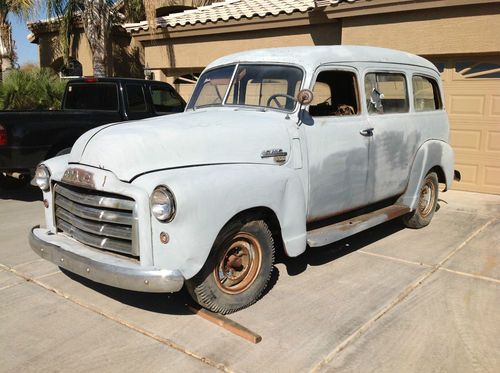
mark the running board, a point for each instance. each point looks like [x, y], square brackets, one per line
[336, 232]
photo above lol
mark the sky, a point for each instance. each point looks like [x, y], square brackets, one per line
[26, 51]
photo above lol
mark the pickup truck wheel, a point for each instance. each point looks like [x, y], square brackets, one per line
[427, 201]
[238, 269]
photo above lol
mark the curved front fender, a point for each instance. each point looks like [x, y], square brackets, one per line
[431, 154]
[208, 197]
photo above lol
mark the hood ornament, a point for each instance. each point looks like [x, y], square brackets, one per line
[278, 154]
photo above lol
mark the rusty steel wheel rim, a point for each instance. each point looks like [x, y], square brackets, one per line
[239, 264]
[426, 200]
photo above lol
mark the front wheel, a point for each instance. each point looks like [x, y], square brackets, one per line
[427, 201]
[238, 269]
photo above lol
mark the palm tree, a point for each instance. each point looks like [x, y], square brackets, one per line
[96, 18]
[20, 8]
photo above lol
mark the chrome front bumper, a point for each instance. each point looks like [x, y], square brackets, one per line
[102, 267]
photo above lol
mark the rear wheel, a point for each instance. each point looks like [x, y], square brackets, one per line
[427, 201]
[238, 269]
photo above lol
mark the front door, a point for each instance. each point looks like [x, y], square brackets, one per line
[337, 151]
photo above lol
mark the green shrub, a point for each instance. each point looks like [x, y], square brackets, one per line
[31, 89]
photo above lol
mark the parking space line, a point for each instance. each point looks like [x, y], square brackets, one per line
[162, 340]
[395, 259]
[398, 299]
[478, 277]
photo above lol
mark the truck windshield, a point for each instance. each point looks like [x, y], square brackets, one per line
[264, 86]
[91, 96]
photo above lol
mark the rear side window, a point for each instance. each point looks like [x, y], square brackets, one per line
[166, 100]
[136, 100]
[426, 96]
[92, 96]
[386, 93]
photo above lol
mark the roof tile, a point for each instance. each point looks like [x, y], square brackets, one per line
[234, 9]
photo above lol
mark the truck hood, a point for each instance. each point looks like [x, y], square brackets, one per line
[201, 137]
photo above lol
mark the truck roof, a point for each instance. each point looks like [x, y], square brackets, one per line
[312, 56]
[89, 79]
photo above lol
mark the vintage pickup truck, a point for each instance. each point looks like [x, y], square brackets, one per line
[278, 149]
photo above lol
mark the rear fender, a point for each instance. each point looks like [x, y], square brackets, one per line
[431, 154]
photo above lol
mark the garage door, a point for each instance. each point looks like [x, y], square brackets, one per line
[472, 90]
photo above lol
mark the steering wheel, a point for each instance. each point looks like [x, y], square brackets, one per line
[274, 98]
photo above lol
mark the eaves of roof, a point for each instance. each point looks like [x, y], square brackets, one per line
[233, 9]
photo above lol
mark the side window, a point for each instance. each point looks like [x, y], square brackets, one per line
[166, 100]
[135, 98]
[426, 96]
[335, 94]
[386, 93]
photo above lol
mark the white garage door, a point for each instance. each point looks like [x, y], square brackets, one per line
[472, 90]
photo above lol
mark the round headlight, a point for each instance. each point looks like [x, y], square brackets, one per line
[163, 204]
[42, 177]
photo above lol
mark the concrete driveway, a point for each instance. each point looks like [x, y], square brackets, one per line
[386, 300]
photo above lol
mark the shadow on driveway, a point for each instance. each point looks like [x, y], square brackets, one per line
[321, 255]
[176, 303]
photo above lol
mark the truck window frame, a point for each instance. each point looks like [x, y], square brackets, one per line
[436, 89]
[118, 98]
[389, 71]
[127, 102]
[170, 89]
[346, 69]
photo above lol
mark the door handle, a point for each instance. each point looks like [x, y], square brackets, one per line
[367, 132]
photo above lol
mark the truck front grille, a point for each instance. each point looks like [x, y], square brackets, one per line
[102, 220]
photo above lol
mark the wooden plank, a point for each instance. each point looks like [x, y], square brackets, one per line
[227, 324]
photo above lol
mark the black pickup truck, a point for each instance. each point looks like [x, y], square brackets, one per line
[29, 137]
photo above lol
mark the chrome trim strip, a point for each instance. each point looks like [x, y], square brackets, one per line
[135, 232]
[100, 242]
[94, 200]
[104, 268]
[93, 213]
[123, 232]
